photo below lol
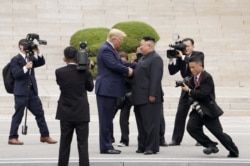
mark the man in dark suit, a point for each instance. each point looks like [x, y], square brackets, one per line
[110, 85]
[176, 65]
[147, 97]
[205, 111]
[73, 107]
[26, 92]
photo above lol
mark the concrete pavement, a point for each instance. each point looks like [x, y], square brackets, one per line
[35, 153]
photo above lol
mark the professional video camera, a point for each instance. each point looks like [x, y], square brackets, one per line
[30, 46]
[186, 81]
[82, 57]
[172, 53]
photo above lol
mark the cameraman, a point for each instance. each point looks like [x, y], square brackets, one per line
[202, 90]
[181, 64]
[26, 92]
[73, 107]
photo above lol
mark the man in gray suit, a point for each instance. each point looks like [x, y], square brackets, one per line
[147, 97]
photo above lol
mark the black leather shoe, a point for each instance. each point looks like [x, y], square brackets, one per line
[211, 149]
[148, 152]
[174, 143]
[163, 144]
[139, 151]
[231, 154]
[111, 151]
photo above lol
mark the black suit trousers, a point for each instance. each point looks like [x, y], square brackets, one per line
[180, 118]
[148, 118]
[35, 107]
[82, 133]
[194, 127]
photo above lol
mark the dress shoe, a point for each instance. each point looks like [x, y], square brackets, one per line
[122, 144]
[174, 143]
[211, 149]
[148, 152]
[111, 151]
[14, 141]
[139, 151]
[231, 154]
[48, 140]
[163, 143]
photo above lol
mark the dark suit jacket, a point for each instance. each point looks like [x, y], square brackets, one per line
[111, 70]
[73, 105]
[147, 79]
[204, 93]
[22, 80]
[182, 65]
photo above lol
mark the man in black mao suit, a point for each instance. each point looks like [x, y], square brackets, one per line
[26, 92]
[73, 107]
[110, 84]
[147, 97]
[176, 65]
[205, 111]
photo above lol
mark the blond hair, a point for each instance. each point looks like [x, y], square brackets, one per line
[115, 33]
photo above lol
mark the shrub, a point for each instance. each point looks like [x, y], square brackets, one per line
[135, 31]
[94, 37]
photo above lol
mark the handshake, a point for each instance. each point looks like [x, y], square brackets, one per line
[130, 71]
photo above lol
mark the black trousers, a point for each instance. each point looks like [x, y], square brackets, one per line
[194, 127]
[148, 124]
[35, 107]
[82, 134]
[180, 118]
[124, 122]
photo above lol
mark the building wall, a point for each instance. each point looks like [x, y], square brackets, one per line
[220, 28]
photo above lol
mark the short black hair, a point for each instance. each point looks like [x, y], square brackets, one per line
[189, 39]
[195, 58]
[22, 42]
[149, 38]
[70, 52]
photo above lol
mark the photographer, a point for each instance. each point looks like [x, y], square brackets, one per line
[205, 110]
[26, 92]
[181, 64]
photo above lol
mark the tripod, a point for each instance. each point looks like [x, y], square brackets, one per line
[25, 127]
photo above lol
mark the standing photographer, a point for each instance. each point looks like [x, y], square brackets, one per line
[205, 111]
[26, 92]
[181, 64]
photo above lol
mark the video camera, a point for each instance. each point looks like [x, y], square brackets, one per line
[172, 53]
[30, 46]
[82, 57]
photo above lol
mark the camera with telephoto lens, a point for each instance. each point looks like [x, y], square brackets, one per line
[197, 107]
[82, 57]
[30, 46]
[186, 81]
[179, 45]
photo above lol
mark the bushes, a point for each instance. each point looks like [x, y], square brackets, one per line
[135, 31]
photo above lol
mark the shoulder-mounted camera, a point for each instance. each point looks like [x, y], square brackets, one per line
[179, 45]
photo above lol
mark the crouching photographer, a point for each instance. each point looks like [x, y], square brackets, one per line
[205, 111]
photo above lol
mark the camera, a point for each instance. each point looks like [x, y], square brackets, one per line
[30, 46]
[196, 106]
[82, 57]
[186, 81]
[179, 45]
